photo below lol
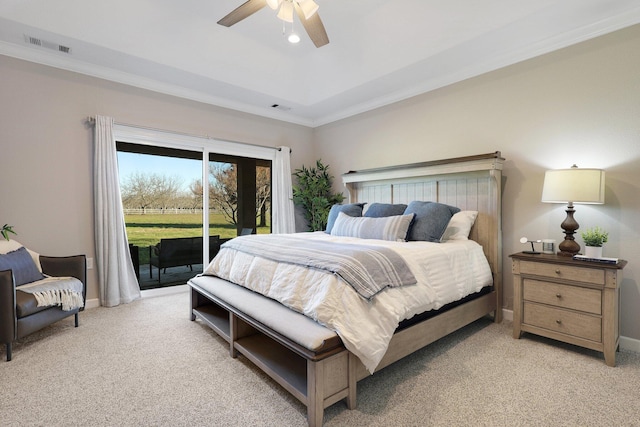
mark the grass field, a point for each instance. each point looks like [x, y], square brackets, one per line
[147, 230]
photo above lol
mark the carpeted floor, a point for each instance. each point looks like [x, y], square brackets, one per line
[147, 364]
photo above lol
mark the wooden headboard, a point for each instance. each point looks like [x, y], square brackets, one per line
[470, 183]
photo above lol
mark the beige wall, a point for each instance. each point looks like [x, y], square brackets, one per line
[578, 105]
[46, 147]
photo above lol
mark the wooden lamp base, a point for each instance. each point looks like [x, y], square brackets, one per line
[569, 246]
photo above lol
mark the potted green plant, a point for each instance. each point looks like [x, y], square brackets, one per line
[6, 230]
[593, 239]
[313, 193]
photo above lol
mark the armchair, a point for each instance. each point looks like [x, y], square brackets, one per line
[20, 314]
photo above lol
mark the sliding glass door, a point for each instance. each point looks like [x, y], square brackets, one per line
[163, 212]
[164, 204]
[239, 197]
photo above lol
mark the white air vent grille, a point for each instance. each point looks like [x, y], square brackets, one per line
[35, 41]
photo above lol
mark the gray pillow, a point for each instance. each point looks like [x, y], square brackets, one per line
[377, 210]
[351, 209]
[393, 228]
[22, 265]
[431, 220]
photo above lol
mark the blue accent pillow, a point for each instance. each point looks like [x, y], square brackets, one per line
[430, 221]
[378, 210]
[393, 228]
[22, 265]
[351, 209]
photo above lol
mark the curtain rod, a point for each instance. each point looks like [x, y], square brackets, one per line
[92, 121]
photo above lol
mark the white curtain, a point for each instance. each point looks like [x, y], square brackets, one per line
[283, 220]
[116, 277]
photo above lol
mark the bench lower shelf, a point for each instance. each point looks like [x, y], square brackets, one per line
[317, 382]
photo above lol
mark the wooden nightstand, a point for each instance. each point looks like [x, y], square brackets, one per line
[572, 301]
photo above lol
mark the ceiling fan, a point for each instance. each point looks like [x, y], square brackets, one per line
[307, 11]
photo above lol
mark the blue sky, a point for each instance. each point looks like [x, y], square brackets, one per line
[187, 170]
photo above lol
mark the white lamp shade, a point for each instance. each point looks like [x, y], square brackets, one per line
[286, 11]
[573, 185]
[309, 7]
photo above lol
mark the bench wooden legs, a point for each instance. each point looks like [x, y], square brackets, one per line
[353, 380]
[329, 381]
[316, 383]
[315, 401]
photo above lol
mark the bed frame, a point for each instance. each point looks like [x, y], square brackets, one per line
[323, 376]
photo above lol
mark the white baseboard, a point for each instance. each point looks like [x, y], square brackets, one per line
[169, 290]
[149, 293]
[630, 344]
[92, 303]
[626, 343]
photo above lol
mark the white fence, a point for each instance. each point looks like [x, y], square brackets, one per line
[140, 211]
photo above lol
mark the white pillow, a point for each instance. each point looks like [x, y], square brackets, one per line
[392, 228]
[460, 225]
[7, 246]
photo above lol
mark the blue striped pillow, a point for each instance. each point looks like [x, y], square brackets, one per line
[352, 209]
[392, 228]
[22, 265]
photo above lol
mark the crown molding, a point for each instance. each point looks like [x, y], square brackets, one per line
[511, 57]
[460, 67]
[56, 60]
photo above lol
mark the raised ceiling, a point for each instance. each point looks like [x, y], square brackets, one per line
[380, 51]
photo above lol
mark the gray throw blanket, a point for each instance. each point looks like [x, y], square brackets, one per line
[367, 268]
[62, 291]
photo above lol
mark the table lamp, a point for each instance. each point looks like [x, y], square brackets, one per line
[571, 186]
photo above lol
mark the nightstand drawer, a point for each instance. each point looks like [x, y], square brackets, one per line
[563, 321]
[567, 272]
[565, 296]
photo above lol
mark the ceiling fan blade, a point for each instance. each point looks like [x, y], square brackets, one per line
[313, 27]
[244, 10]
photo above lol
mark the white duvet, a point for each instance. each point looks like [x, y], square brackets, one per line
[445, 272]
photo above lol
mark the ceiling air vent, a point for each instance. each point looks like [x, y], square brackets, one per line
[281, 107]
[35, 41]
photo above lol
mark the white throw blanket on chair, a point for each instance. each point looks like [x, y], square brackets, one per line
[64, 291]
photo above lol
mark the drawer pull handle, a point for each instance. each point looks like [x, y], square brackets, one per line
[559, 321]
[558, 295]
[558, 271]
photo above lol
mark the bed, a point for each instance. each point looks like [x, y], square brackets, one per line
[296, 343]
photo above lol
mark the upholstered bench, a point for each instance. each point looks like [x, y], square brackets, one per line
[304, 357]
[309, 338]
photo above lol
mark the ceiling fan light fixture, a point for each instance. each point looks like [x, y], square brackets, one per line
[273, 4]
[293, 38]
[306, 10]
[309, 7]
[286, 11]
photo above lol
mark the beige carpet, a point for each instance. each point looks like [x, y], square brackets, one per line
[147, 364]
